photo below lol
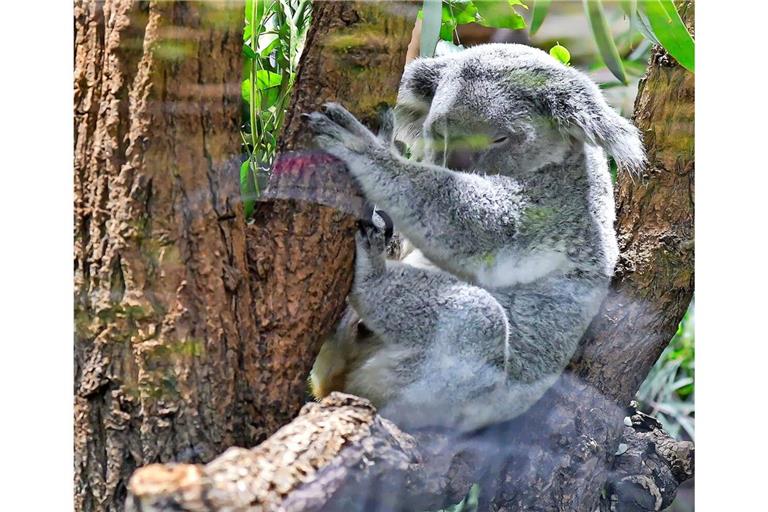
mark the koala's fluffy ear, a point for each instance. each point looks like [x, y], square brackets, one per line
[419, 81]
[417, 89]
[582, 112]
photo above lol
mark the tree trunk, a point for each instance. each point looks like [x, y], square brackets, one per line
[193, 331]
[164, 318]
[563, 452]
[302, 252]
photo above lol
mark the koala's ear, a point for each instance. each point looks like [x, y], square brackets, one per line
[583, 112]
[414, 99]
[419, 81]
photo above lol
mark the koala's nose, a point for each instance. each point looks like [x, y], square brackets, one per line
[460, 159]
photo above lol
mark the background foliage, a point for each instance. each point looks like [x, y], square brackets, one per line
[273, 38]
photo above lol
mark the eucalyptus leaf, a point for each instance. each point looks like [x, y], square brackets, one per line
[269, 48]
[267, 79]
[249, 53]
[430, 27]
[603, 38]
[500, 14]
[629, 7]
[641, 23]
[669, 29]
[561, 53]
[447, 26]
[539, 12]
[462, 12]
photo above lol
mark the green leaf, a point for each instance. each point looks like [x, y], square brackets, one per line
[629, 7]
[248, 10]
[249, 53]
[500, 14]
[540, 9]
[461, 11]
[447, 25]
[670, 30]
[264, 53]
[561, 53]
[267, 79]
[603, 38]
[641, 23]
[430, 27]
[267, 85]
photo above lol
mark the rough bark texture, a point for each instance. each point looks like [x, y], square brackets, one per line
[649, 467]
[164, 322]
[195, 332]
[330, 448]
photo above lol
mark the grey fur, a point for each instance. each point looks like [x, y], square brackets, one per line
[513, 254]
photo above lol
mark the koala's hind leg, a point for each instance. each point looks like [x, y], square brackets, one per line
[429, 309]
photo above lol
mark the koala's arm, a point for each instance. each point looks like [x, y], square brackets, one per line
[458, 220]
[455, 218]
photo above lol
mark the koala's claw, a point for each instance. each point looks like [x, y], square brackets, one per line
[336, 130]
[374, 234]
[345, 119]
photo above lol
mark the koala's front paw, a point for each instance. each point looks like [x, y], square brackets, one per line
[340, 134]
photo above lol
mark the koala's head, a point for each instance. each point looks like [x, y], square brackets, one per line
[506, 108]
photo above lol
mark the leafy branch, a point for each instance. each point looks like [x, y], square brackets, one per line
[657, 20]
[273, 38]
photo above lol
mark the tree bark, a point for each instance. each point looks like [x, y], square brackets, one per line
[339, 455]
[163, 315]
[193, 331]
[301, 245]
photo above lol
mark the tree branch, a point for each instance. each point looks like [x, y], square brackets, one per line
[332, 448]
[339, 455]
[648, 468]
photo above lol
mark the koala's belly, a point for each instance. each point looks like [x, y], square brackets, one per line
[416, 258]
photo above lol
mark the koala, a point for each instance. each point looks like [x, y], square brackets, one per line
[506, 205]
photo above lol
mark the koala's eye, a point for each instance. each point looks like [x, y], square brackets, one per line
[501, 139]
